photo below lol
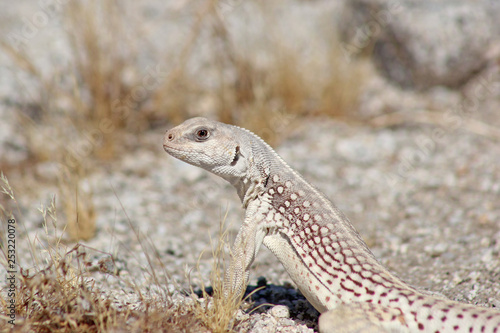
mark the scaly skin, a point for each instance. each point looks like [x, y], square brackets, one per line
[315, 242]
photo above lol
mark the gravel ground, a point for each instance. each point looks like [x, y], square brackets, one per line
[426, 199]
[428, 210]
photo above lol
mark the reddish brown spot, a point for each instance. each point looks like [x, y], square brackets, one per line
[369, 292]
[329, 281]
[421, 326]
[327, 298]
[425, 305]
[317, 287]
[355, 282]
[383, 295]
[310, 264]
[446, 310]
[394, 299]
[443, 319]
[430, 317]
[482, 328]
[339, 269]
[346, 289]
[460, 316]
[475, 315]
[455, 328]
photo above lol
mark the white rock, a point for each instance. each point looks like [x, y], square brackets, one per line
[280, 311]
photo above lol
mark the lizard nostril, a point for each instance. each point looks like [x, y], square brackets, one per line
[170, 136]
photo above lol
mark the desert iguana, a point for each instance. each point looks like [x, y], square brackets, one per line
[320, 249]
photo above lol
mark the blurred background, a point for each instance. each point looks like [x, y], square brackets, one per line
[393, 106]
[76, 75]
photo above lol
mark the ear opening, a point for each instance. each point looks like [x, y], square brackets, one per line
[267, 180]
[236, 156]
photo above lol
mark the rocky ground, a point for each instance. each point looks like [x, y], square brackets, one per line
[428, 210]
[422, 187]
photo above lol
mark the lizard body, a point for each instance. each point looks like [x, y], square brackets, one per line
[318, 246]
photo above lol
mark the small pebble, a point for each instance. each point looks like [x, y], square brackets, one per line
[279, 311]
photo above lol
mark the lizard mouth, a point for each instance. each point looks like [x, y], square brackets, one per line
[167, 148]
[177, 153]
[172, 150]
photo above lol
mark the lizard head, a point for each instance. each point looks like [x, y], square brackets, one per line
[210, 145]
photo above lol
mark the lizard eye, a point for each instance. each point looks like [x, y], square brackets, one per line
[202, 134]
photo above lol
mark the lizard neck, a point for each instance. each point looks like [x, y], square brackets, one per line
[245, 189]
[250, 187]
[257, 166]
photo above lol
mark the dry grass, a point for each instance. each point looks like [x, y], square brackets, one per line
[79, 119]
[270, 101]
[64, 298]
[59, 294]
[101, 93]
[78, 206]
[78, 112]
[218, 312]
